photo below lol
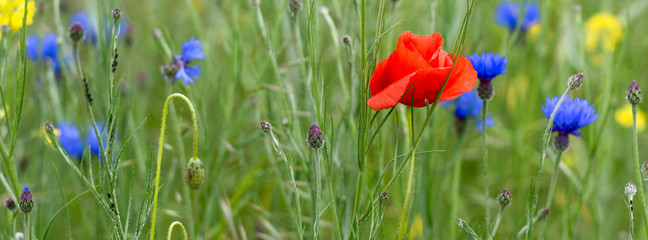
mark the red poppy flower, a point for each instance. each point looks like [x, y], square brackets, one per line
[419, 60]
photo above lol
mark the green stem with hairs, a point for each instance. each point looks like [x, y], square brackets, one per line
[528, 228]
[485, 162]
[497, 223]
[318, 193]
[554, 179]
[161, 144]
[410, 179]
[280, 151]
[182, 228]
[27, 227]
[638, 166]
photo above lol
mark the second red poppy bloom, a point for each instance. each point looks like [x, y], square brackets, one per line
[419, 60]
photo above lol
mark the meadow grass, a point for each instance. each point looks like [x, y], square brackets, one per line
[399, 173]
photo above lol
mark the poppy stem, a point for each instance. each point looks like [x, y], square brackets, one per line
[485, 163]
[182, 228]
[410, 180]
[161, 144]
[640, 179]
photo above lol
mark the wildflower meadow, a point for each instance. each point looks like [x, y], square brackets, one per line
[323, 119]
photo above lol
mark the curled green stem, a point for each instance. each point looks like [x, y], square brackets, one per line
[182, 228]
[161, 144]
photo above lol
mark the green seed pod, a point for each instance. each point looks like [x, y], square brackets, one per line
[194, 173]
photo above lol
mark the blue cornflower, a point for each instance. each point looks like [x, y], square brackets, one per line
[572, 115]
[88, 26]
[508, 13]
[49, 46]
[191, 50]
[488, 65]
[72, 141]
[32, 49]
[469, 106]
[47, 50]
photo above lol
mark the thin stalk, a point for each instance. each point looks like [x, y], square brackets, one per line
[630, 208]
[161, 144]
[318, 193]
[456, 175]
[27, 227]
[545, 141]
[362, 132]
[182, 228]
[497, 223]
[554, 179]
[410, 180]
[638, 167]
[329, 184]
[485, 162]
[279, 149]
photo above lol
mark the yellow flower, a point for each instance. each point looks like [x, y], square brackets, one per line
[12, 12]
[416, 230]
[534, 32]
[605, 29]
[624, 117]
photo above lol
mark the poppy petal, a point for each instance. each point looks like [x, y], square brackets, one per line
[427, 46]
[390, 95]
[464, 78]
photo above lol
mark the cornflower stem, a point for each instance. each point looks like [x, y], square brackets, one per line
[638, 167]
[456, 175]
[329, 184]
[104, 155]
[497, 223]
[318, 194]
[528, 228]
[27, 227]
[485, 162]
[552, 189]
[182, 228]
[161, 144]
[410, 180]
[279, 149]
[631, 216]
[554, 179]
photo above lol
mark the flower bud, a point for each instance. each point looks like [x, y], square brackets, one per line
[561, 142]
[255, 2]
[323, 10]
[169, 69]
[26, 203]
[633, 95]
[5, 29]
[266, 127]
[194, 173]
[485, 90]
[76, 32]
[346, 39]
[543, 214]
[10, 204]
[575, 82]
[116, 14]
[156, 33]
[315, 137]
[644, 168]
[294, 6]
[630, 190]
[504, 198]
